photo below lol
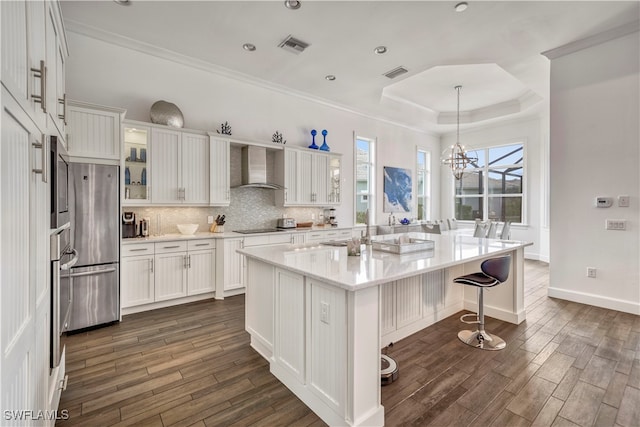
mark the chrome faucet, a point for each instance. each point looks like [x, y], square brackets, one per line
[367, 237]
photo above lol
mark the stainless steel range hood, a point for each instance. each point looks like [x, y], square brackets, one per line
[254, 169]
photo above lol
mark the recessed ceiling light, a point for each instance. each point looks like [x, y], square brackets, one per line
[330, 77]
[461, 7]
[292, 4]
[380, 50]
[123, 2]
[248, 46]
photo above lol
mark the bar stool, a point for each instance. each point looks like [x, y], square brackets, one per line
[494, 272]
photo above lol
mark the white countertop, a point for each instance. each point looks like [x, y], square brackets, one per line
[332, 264]
[225, 235]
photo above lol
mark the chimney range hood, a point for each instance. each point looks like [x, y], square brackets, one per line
[254, 168]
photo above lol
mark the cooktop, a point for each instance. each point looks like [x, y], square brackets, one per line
[258, 230]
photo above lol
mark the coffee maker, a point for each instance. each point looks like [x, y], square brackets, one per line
[330, 217]
[128, 225]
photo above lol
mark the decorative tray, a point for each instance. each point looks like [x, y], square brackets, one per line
[402, 245]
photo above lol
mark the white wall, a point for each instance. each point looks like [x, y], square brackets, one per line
[595, 152]
[106, 74]
[530, 131]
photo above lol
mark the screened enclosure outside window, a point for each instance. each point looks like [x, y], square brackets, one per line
[364, 179]
[493, 187]
[423, 184]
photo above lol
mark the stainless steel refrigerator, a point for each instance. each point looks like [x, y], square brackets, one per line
[95, 231]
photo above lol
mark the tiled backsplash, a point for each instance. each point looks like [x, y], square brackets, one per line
[249, 208]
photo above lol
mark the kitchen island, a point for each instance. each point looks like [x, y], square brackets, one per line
[320, 317]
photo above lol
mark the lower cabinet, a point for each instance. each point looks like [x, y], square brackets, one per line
[166, 271]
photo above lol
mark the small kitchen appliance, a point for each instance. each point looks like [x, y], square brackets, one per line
[144, 227]
[128, 225]
[286, 223]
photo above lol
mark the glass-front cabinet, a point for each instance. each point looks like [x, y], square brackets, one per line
[136, 173]
[334, 178]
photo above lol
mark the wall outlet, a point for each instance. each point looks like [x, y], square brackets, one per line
[591, 272]
[210, 219]
[623, 201]
[324, 312]
[616, 224]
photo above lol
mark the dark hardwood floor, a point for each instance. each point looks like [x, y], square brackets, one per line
[568, 365]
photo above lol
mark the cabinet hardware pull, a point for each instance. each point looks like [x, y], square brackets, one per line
[63, 383]
[92, 273]
[43, 169]
[41, 73]
[170, 247]
[201, 244]
[184, 261]
[151, 265]
[138, 249]
[63, 101]
[189, 259]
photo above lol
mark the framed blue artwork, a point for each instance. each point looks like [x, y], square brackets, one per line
[397, 190]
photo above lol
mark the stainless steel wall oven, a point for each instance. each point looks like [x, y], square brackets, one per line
[59, 162]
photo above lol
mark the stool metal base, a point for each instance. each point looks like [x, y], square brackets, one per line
[482, 340]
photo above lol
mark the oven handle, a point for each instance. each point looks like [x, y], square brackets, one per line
[73, 261]
[92, 273]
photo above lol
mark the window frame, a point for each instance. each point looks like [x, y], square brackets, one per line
[486, 196]
[371, 178]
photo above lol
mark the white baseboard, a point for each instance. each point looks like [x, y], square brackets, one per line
[595, 300]
[162, 304]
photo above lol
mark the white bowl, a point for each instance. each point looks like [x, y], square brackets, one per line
[187, 228]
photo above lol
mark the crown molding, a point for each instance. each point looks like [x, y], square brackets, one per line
[596, 39]
[149, 49]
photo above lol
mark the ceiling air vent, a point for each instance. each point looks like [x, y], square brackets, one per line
[293, 45]
[396, 72]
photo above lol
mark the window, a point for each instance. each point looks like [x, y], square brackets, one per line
[492, 188]
[364, 179]
[423, 184]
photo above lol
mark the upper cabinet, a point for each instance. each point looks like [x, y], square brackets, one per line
[219, 173]
[34, 53]
[94, 131]
[135, 172]
[308, 177]
[180, 161]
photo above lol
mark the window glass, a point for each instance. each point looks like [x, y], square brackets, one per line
[505, 209]
[469, 208]
[506, 155]
[505, 181]
[470, 183]
[364, 179]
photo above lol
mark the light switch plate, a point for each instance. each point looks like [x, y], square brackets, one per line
[210, 219]
[623, 201]
[616, 224]
[324, 312]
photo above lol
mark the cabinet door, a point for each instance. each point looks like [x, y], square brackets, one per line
[171, 281]
[335, 185]
[137, 285]
[94, 132]
[219, 192]
[15, 63]
[18, 315]
[165, 157]
[137, 172]
[292, 186]
[233, 265]
[36, 16]
[320, 176]
[195, 169]
[56, 64]
[201, 272]
[305, 178]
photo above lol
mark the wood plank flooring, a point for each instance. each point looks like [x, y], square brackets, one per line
[568, 365]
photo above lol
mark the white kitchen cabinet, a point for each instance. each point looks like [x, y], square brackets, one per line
[33, 58]
[329, 235]
[136, 170]
[306, 176]
[94, 132]
[137, 280]
[167, 273]
[219, 172]
[201, 261]
[233, 268]
[181, 164]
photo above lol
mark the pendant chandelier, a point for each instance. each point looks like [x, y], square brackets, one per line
[456, 157]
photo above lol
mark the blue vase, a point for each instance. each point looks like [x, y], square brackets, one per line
[324, 146]
[127, 176]
[143, 178]
[313, 139]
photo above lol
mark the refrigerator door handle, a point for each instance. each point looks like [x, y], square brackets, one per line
[92, 273]
[74, 260]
